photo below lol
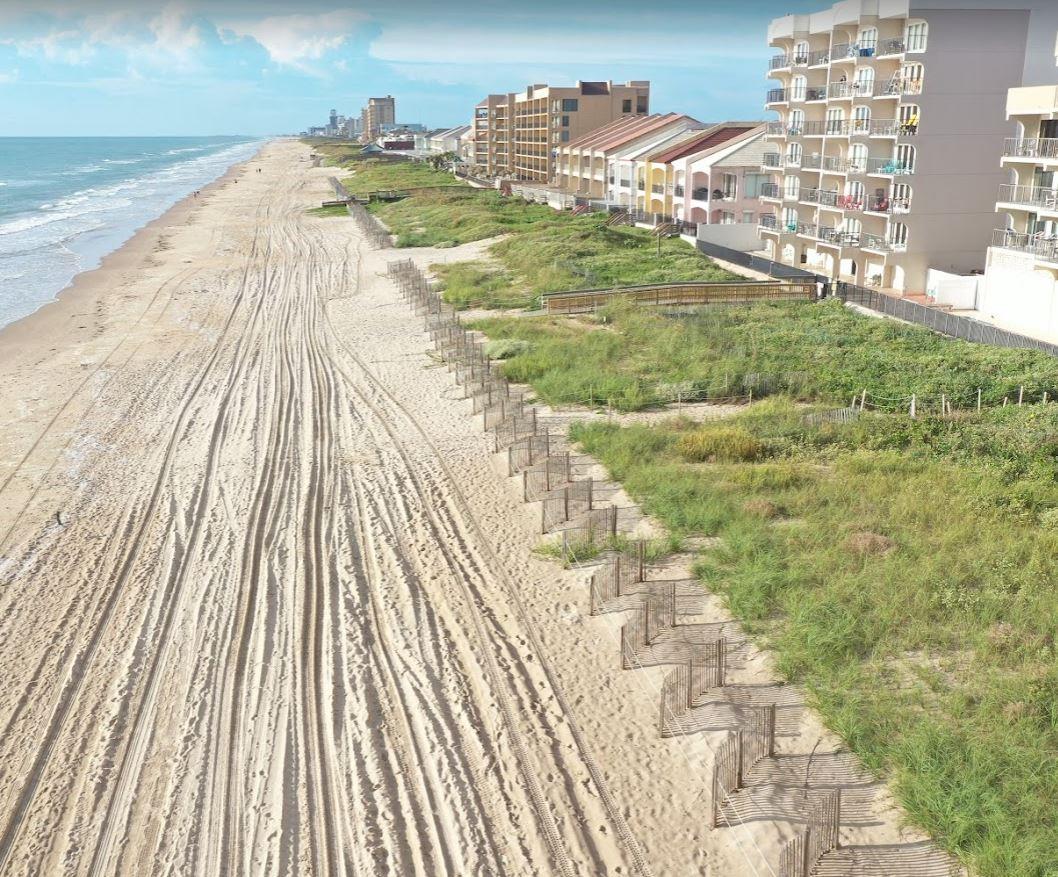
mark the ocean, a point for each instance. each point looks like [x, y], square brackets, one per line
[66, 202]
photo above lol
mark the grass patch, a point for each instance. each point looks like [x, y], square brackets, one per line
[909, 589]
[372, 175]
[633, 357]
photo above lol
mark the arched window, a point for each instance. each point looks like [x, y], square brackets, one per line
[905, 158]
[915, 39]
[793, 154]
[789, 219]
[791, 187]
[867, 41]
[898, 236]
[861, 120]
[907, 118]
[911, 76]
[901, 201]
[798, 86]
[796, 122]
[800, 52]
[851, 227]
[863, 84]
[835, 121]
[854, 195]
[858, 158]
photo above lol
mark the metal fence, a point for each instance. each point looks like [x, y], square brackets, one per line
[938, 320]
[758, 263]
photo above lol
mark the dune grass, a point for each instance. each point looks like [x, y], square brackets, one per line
[909, 588]
[333, 210]
[631, 357]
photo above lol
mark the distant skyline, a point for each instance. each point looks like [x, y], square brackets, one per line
[235, 67]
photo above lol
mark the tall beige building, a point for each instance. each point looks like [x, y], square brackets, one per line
[378, 112]
[891, 122]
[522, 132]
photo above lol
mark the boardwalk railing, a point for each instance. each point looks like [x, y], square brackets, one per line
[583, 301]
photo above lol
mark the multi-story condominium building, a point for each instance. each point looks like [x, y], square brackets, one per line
[525, 130]
[584, 166]
[379, 112]
[493, 135]
[1020, 286]
[891, 120]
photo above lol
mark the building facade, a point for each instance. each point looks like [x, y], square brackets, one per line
[523, 131]
[379, 113]
[890, 121]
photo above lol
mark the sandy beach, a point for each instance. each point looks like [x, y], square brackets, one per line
[269, 603]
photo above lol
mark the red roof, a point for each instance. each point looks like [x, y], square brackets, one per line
[713, 137]
[624, 131]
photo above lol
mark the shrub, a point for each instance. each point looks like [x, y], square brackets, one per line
[505, 348]
[725, 444]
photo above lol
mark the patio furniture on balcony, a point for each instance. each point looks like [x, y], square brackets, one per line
[1040, 245]
[1031, 147]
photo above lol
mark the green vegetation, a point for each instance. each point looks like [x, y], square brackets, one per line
[907, 586]
[333, 210]
[632, 358]
[373, 175]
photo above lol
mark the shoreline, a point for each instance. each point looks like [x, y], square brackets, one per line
[127, 256]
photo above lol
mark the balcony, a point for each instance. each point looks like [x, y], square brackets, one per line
[1038, 245]
[1031, 148]
[817, 58]
[880, 244]
[769, 221]
[828, 163]
[778, 96]
[657, 189]
[881, 128]
[898, 86]
[892, 46]
[883, 204]
[771, 160]
[885, 167]
[777, 62]
[1030, 197]
[823, 197]
[776, 129]
[771, 191]
[700, 194]
[812, 93]
[678, 191]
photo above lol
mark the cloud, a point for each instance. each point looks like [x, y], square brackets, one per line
[9, 76]
[297, 40]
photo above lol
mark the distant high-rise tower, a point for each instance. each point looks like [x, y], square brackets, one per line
[334, 120]
[378, 112]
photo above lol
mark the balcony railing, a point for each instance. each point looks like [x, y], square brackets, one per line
[888, 166]
[822, 56]
[770, 190]
[775, 129]
[771, 159]
[779, 61]
[825, 163]
[657, 189]
[1039, 245]
[768, 221]
[822, 197]
[885, 204]
[892, 46]
[678, 191]
[814, 92]
[700, 194]
[881, 244]
[778, 95]
[898, 85]
[878, 128]
[1033, 147]
[856, 88]
[1033, 196]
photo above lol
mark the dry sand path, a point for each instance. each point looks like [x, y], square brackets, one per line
[248, 624]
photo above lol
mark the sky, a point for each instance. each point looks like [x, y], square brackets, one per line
[202, 67]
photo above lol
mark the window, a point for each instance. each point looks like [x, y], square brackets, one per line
[898, 236]
[729, 183]
[565, 121]
[565, 136]
[569, 105]
[753, 184]
[901, 202]
[835, 121]
[861, 119]
[791, 187]
[798, 87]
[854, 195]
[905, 157]
[793, 154]
[641, 103]
[864, 81]
[916, 36]
[800, 52]
[867, 42]
[789, 219]
[747, 217]
[858, 158]
[907, 118]
[910, 79]
[626, 105]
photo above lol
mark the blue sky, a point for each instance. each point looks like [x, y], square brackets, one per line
[91, 67]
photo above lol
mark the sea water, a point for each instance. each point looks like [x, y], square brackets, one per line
[66, 202]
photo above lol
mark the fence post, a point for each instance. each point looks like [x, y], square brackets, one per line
[978, 400]
[1021, 394]
[863, 398]
[912, 406]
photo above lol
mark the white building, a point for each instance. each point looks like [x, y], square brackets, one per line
[891, 121]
